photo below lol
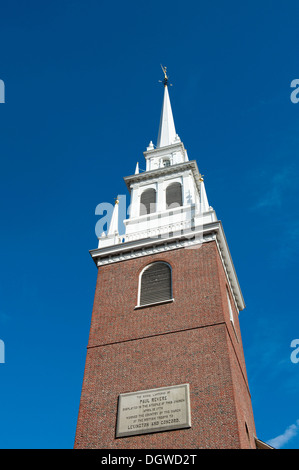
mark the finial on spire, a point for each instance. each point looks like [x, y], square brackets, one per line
[166, 78]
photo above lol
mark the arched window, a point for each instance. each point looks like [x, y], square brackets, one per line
[174, 195]
[155, 283]
[148, 201]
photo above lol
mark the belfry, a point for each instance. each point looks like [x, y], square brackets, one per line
[165, 366]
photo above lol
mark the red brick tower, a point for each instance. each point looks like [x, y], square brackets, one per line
[165, 366]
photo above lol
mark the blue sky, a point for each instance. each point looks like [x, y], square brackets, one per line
[82, 102]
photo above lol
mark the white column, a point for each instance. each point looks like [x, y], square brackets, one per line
[161, 196]
[135, 201]
[187, 189]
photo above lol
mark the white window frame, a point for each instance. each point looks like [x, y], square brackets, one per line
[139, 285]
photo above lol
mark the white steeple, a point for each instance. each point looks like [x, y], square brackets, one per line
[169, 208]
[167, 133]
[169, 149]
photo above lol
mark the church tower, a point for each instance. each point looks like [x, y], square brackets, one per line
[165, 366]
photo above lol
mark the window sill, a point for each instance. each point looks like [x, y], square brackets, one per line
[153, 304]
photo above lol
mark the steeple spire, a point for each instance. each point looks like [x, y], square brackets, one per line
[167, 133]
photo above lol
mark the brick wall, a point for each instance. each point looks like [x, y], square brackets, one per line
[190, 340]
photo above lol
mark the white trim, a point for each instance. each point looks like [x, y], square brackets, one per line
[229, 270]
[231, 313]
[142, 247]
[146, 185]
[170, 180]
[178, 169]
[160, 151]
[158, 214]
[233, 326]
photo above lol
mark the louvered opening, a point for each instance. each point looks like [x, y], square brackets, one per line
[148, 201]
[155, 284]
[174, 195]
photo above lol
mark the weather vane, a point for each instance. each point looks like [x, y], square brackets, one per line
[165, 81]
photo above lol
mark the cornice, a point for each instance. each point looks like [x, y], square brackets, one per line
[160, 151]
[149, 246]
[162, 172]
